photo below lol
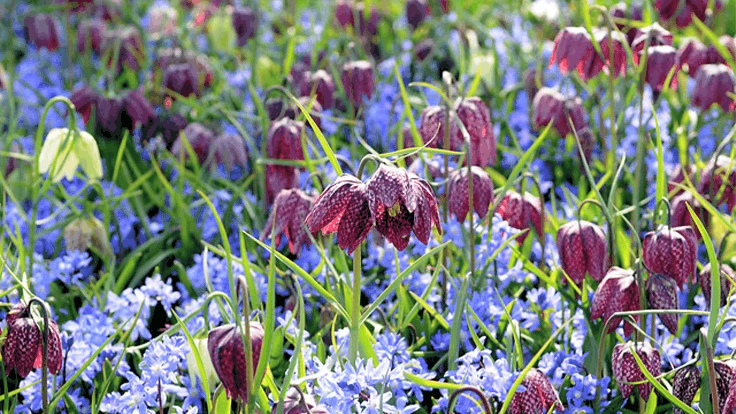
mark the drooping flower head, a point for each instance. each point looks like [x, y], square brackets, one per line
[323, 86]
[358, 81]
[727, 274]
[573, 50]
[182, 79]
[416, 12]
[64, 151]
[289, 211]
[631, 12]
[23, 349]
[695, 54]
[475, 116]
[681, 215]
[671, 251]
[662, 294]
[225, 346]
[41, 31]
[685, 11]
[128, 44]
[538, 396]
[685, 385]
[713, 83]
[299, 403]
[626, 370]
[549, 105]
[654, 35]
[660, 62]
[200, 139]
[458, 192]
[230, 151]
[583, 249]
[245, 23]
[522, 212]
[89, 34]
[719, 177]
[618, 292]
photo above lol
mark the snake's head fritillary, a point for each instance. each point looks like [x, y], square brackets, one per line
[225, 347]
[617, 292]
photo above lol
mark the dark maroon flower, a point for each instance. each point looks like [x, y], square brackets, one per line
[23, 349]
[344, 13]
[357, 79]
[432, 128]
[623, 11]
[130, 53]
[84, 100]
[89, 34]
[681, 215]
[230, 151]
[719, 176]
[343, 207]
[77, 5]
[289, 211]
[458, 197]
[725, 378]
[111, 117]
[573, 50]
[538, 396]
[323, 86]
[583, 249]
[225, 346]
[199, 138]
[729, 43]
[41, 31]
[284, 140]
[138, 107]
[551, 106]
[695, 54]
[168, 126]
[177, 56]
[522, 212]
[400, 203]
[11, 163]
[416, 12]
[655, 34]
[280, 177]
[727, 275]
[729, 407]
[626, 370]
[423, 49]
[587, 143]
[298, 403]
[476, 118]
[245, 22]
[683, 12]
[660, 61]
[531, 83]
[610, 42]
[685, 385]
[671, 251]
[181, 79]
[618, 292]
[713, 83]
[662, 294]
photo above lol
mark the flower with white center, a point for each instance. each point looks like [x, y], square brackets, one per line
[65, 150]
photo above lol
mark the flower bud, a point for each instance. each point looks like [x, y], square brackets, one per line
[89, 34]
[225, 346]
[85, 234]
[245, 22]
[182, 79]
[662, 294]
[199, 138]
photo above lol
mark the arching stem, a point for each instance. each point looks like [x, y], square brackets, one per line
[474, 390]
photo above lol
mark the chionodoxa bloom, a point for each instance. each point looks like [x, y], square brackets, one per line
[393, 201]
[65, 150]
[23, 348]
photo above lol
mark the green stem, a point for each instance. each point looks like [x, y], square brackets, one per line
[44, 352]
[355, 318]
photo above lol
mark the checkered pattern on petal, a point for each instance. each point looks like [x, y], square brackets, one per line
[727, 274]
[538, 396]
[284, 140]
[626, 370]
[23, 349]
[685, 385]
[290, 209]
[225, 347]
[671, 252]
[616, 293]
[357, 220]
[389, 186]
[662, 294]
[725, 377]
[458, 192]
[476, 118]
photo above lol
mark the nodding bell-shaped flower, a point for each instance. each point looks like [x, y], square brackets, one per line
[138, 108]
[199, 138]
[655, 35]
[660, 61]
[727, 286]
[401, 202]
[549, 105]
[618, 292]
[683, 12]
[432, 128]
[131, 50]
[89, 34]
[573, 50]
[84, 100]
[662, 295]
[225, 346]
[280, 177]
[476, 118]
[245, 23]
[678, 177]
[167, 126]
[538, 396]
[609, 42]
[416, 12]
[323, 86]
[85, 234]
[357, 79]
[458, 192]
[230, 151]
[297, 403]
[182, 79]
[626, 370]
[583, 249]
[685, 385]
[725, 380]
[695, 54]
[65, 150]
[23, 349]
[719, 175]
[284, 140]
[671, 251]
[41, 31]
[289, 211]
[681, 215]
[713, 83]
[522, 212]
[343, 208]
[631, 12]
